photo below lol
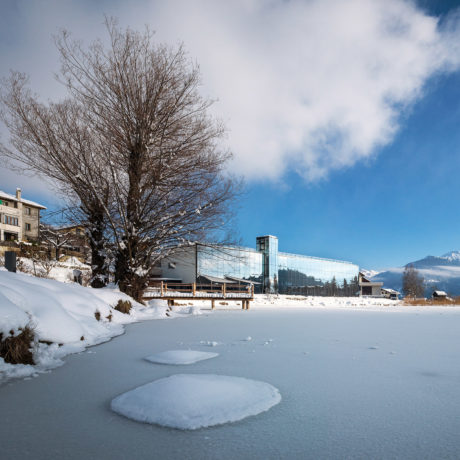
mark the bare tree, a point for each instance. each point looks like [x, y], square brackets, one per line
[53, 141]
[164, 161]
[55, 239]
[151, 172]
[412, 282]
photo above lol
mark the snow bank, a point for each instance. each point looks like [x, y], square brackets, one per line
[178, 357]
[64, 315]
[190, 401]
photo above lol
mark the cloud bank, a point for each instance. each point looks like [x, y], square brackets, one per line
[311, 86]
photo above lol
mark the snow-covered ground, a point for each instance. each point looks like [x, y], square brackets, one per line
[63, 317]
[358, 378]
[62, 270]
[341, 377]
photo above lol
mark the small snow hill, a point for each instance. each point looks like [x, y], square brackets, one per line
[439, 272]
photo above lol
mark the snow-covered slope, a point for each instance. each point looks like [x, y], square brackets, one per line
[369, 273]
[439, 272]
[63, 317]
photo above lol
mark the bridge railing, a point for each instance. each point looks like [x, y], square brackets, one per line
[198, 290]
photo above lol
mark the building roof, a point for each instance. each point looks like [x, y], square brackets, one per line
[23, 200]
[215, 279]
[390, 291]
[241, 280]
[440, 293]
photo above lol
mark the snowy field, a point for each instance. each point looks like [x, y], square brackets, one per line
[357, 379]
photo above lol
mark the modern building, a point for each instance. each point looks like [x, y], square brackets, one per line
[265, 266]
[19, 218]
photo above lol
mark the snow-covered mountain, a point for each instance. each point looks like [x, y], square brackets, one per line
[369, 273]
[439, 272]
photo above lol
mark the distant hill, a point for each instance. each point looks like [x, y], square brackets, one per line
[439, 272]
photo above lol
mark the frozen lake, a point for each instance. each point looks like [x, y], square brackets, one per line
[354, 384]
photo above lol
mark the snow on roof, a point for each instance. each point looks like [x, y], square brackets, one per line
[440, 293]
[23, 200]
[389, 290]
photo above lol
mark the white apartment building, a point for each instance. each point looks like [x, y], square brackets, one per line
[19, 218]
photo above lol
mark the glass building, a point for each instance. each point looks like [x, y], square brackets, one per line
[266, 267]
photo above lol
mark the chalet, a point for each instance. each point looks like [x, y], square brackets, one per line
[439, 295]
[369, 288]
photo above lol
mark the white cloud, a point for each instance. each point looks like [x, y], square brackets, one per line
[311, 86]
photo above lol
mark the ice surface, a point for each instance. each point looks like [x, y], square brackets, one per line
[177, 357]
[192, 401]
[340, 399]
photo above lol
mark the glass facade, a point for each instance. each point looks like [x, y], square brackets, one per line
[238, 262]
[278, 271]
[296, 272]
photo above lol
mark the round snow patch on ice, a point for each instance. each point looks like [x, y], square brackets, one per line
[177, 357]
[191, 401]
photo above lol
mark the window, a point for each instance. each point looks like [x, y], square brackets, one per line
[27, 227]
[27, 211]
[77, 231]
[10, 220]
[15, 204]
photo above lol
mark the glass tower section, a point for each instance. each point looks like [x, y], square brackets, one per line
[268, 246]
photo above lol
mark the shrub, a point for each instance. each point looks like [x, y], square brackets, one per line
[123, 306]
[16, 349]
[97, 315]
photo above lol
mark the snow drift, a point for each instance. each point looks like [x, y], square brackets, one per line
[191, 401]
[63, 317]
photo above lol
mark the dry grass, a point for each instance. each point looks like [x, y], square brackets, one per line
[123, 306]
[16, 349]
[431, 302]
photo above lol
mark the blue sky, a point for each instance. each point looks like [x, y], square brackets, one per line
[343, 116]
[394, 208]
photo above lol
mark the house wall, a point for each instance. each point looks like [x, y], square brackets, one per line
[25, 213]
[33, 219]
[185, 265]
[8, 209]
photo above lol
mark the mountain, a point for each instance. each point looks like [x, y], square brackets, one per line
[369, 273]
[439, 272]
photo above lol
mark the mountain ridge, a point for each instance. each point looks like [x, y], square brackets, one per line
[439, 272]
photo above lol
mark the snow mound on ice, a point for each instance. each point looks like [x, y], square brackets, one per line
[191, 401]
[177, 357]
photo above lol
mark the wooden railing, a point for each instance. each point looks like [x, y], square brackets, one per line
[199, 291]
